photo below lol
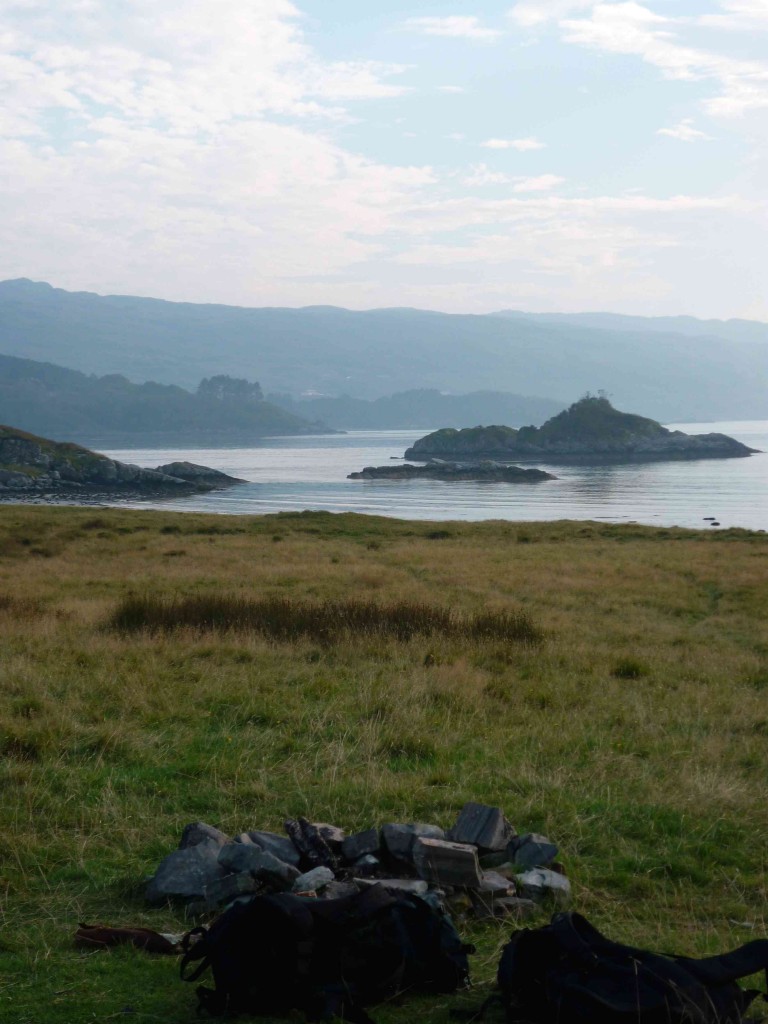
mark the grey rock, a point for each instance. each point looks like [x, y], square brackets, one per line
[445, 863]
[223, 890]
[360, 844]
[245, 839]
[278, 845]
[425, 831]
[273, 871]
[366, 866]
[240, 857]
[540, 884]
[398, 840]
[483, 826]
[532, 851]
[313, 880]
[197, 832]
[412, 885]
[185, 873]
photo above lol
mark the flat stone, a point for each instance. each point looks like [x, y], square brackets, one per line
[279, 846]
[197, 832]
[540, 884]
[185, 873]
[446, 863]
[483, 826]
[532, 851]
[506, 906]
[228, 888]
[492, 881]
[360, 844]
[412, 885]
[312, 881]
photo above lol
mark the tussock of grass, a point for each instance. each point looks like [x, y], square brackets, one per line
[325, 622]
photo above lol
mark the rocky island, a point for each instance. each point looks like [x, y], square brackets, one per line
[36, 465]
[590, 431]
[437, 469]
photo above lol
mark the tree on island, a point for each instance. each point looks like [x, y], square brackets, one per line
[232, 390]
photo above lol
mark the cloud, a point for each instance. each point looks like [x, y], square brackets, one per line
[531, 13]
[630, 28]
[685, 131]
[740, 16]
[481, 174]
[521, 145]
[542, 183]
[451, 88]
[456, 27]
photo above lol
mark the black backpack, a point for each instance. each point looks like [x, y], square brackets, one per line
[568, 973]
[281, 952]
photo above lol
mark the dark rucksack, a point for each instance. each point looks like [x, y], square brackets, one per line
[568, 973]
[281, 952]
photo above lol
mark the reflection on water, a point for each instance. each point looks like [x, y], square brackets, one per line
[293, 474]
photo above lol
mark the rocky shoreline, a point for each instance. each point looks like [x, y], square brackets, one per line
[36, 466]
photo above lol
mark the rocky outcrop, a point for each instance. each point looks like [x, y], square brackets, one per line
[439, 470]
[30, 464]
[589, 431]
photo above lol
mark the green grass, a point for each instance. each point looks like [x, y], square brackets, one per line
[634, 733]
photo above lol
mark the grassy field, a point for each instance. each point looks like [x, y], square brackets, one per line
[634, 732]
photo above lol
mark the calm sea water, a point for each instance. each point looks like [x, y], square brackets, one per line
[292, 474]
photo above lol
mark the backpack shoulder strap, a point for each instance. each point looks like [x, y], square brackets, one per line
[739, 963]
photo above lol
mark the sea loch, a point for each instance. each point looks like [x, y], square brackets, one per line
[296, 473]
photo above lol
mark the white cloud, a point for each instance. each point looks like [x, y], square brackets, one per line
[451, 88]
[481, 174]
[531, 13]
[521, 145]
[630, 28]
[739, 16]
[685, 131]
[456, 26]
[542, 183]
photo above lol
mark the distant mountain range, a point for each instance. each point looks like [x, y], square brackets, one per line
[668, 368]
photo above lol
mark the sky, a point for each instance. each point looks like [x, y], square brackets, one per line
[545, 155]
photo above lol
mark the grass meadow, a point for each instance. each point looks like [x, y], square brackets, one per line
[628, 720]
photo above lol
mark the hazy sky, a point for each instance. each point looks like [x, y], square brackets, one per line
[542, 155]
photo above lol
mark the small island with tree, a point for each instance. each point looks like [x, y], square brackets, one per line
[589, 431]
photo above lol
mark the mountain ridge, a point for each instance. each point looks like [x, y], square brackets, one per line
[370, 354]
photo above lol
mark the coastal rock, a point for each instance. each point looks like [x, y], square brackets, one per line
[35, 464]
[436, 469]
